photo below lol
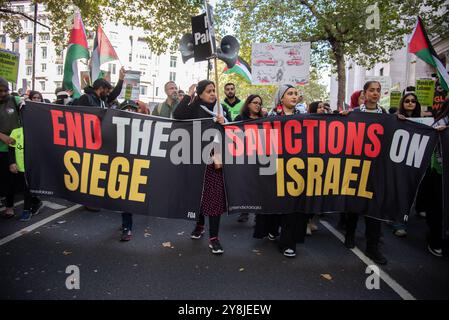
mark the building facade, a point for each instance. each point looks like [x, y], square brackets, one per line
[128, 42]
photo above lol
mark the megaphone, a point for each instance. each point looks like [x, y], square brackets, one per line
[186, 47]
[229, 50]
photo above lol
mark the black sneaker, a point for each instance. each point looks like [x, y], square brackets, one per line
[376, 256]
[271, 237]
[197, 233]
[290, 253]
[215, 246]
[35, 209]
[350, 242]
[437, 252]
[126, 235]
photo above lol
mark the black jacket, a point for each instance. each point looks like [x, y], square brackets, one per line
[194, 111]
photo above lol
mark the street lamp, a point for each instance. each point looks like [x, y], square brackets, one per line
[154, 84]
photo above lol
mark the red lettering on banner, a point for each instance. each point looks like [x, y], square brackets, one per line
[310, 125]
[372, 133]
[253, 142]
[57, 127]
[356, 134]
[93, 139]
[270, 140]
[74, 129]
[322, 138]
[292, 145]
[236, 146]
[336, 137]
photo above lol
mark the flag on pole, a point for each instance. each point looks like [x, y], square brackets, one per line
[242, 68]
[102, 52]
[77, 49]
[420, 45]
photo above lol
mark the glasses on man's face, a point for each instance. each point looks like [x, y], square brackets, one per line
[408, 101]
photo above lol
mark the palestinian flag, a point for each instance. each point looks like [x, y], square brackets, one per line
[420, 45]
[77, 49]
[103, 52]
[242, 68]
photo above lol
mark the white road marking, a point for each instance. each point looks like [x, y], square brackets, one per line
[38, 224]
[404, 294]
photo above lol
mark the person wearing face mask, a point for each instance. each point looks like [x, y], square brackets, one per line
[213, 200]
[95, 96]
[293, 225]
[166, 108]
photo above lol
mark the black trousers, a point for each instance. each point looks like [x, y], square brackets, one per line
[127, 220]
[372, 229]
[424, 198]
[214, 224]
[7, 180]
[434, 214]
[293, 229]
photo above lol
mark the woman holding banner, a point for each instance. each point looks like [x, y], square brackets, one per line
[213, 201]
[434, 217]
[293, 225]
[372, 93]
[251, 109]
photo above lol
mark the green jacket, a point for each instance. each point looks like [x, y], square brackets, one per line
[164, 109]
[234, 108]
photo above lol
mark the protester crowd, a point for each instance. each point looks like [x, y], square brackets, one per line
[286, 230]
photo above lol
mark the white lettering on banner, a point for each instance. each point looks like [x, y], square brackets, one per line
[144, 135]
[400, 148]
[72, 281]
[121, 123]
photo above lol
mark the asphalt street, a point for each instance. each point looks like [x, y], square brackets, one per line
[162, 262]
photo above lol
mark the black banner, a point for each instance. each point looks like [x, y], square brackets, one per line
[363, 163]
[115, 159]
[118, 160]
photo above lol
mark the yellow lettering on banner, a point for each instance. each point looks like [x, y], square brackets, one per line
[364, 179]
[137, 179]
[122, 179]
[280, 177]
[97, 174]
[297, 187]
[332, 178]
[72, 179]
[85, 172]
[349, 176]
[314, 180]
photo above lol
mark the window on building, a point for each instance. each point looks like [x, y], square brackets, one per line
[25, 23]
[113, 69]
[60, 70]
[20, 8]
[29, 54]
[45, 36]
[29, 70]
[130, 57]
[173, 61]
[143, 90]
[44, 67]
[381, 71]
[172, 76]
[3, 39]
[58, 84]
[157, 91]
[44, 52]
[30, 38]
[42, 83]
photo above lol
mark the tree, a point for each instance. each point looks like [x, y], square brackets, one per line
[164, 21]
[337, 29]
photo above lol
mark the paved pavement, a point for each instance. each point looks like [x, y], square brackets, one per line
[162, 262]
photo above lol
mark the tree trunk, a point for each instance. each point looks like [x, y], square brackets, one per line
[341, 74]
[341, 78]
